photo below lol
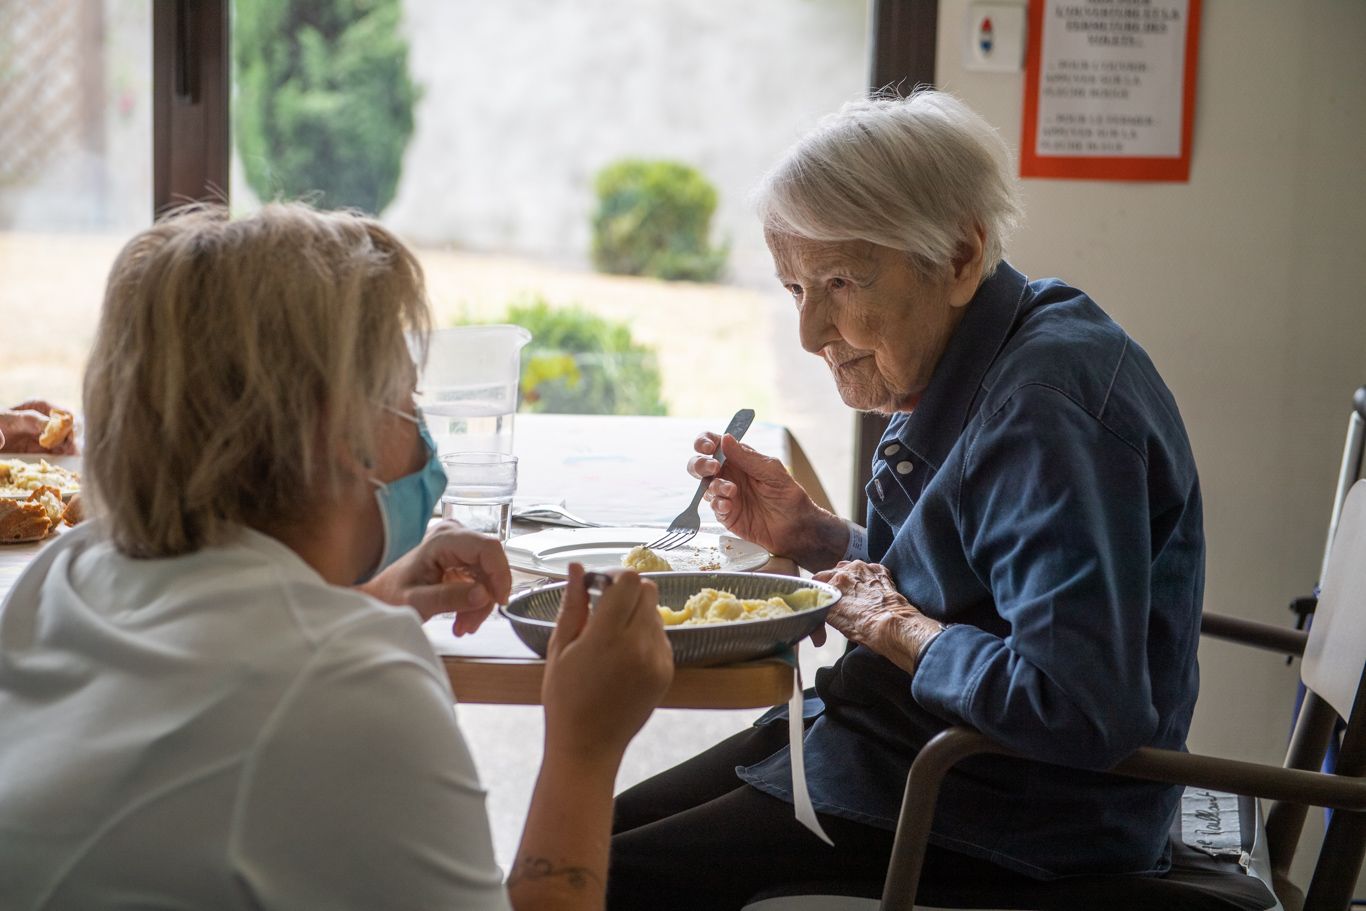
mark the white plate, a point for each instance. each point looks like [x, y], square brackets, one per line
[549, 553]
[69, 462]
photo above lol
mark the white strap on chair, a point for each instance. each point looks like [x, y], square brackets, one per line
[1333, 658]
[796, 729]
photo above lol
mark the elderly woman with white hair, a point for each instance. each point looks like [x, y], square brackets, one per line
[1031, 562]
[217, 693]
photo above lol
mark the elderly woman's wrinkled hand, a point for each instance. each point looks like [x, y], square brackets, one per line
[454, 570]
[756, 498]
[606, 670]
[874, 614]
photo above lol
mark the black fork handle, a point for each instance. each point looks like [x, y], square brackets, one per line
[737, 428]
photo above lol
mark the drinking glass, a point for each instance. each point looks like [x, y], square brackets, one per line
[479, 490]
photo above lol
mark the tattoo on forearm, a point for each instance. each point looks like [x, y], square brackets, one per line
[530, 869]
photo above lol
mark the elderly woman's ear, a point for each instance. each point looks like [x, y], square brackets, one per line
[968, 264]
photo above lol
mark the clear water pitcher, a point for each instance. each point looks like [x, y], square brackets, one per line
[469, 387]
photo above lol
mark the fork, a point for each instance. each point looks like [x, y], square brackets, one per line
[685, 525]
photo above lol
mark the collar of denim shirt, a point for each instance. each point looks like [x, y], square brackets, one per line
[931, 431]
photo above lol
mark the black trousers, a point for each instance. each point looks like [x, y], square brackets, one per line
[696, 837]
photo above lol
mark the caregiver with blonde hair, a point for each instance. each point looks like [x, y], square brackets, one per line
[218, 693]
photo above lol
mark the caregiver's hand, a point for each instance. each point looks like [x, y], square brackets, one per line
[873, 613]
[453, 570]
[755, 498]
[606, 670]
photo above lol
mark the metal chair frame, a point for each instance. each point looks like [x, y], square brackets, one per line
[1292, 788]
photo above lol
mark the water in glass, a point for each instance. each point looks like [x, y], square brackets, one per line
[484, 508]
[479, 490]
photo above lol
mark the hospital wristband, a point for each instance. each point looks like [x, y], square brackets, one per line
[858, 542]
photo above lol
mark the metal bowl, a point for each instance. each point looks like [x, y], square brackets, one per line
[533, 614]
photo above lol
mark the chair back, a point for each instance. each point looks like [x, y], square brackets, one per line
[1352, 452]
[1334, 673]
[1336, 652]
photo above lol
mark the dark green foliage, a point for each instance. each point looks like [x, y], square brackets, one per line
[579, 363]
[324, 105]
[654, 218]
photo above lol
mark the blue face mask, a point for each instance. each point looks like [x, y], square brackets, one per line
[406, 504]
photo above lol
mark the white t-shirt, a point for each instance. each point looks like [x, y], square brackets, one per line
[225, 730]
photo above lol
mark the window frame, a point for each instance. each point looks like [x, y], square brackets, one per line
[191, 130]
[191, 86]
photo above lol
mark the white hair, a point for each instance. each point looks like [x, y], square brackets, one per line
[919, 174]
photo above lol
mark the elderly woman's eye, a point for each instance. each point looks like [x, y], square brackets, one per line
[839, 284]
[795, 291]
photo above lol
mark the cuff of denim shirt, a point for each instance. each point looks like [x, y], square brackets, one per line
[858, 543]
[948, 671]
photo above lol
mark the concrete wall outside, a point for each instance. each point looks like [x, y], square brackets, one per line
[525, 101]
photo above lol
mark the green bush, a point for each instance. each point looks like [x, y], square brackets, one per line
[654, 218]
[579, 363]
[324, 104]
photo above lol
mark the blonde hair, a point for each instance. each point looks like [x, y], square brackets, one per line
[235, 358]
[918, 174]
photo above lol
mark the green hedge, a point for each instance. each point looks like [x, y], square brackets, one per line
[324, 104]
[654, 218]
[580, 363]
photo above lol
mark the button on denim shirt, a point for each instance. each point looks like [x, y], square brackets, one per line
[1043, 498]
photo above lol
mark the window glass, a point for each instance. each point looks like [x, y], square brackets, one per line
[75, 179]
[579, 168]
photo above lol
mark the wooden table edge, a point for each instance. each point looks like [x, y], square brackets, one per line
[517, 681]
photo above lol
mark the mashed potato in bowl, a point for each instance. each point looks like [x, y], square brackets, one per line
[713, 606]
[705, 615]
[643, 560]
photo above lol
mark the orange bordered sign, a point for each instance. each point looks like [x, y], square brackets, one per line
[1110, 89]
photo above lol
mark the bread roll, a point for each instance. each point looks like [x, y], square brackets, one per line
[59, 424]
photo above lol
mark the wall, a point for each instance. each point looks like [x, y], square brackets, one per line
[525, 101]
[1245, 286]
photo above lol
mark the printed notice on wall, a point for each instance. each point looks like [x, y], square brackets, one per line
[1110, 89]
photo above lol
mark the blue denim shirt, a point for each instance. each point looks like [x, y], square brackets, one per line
[1043, 499]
